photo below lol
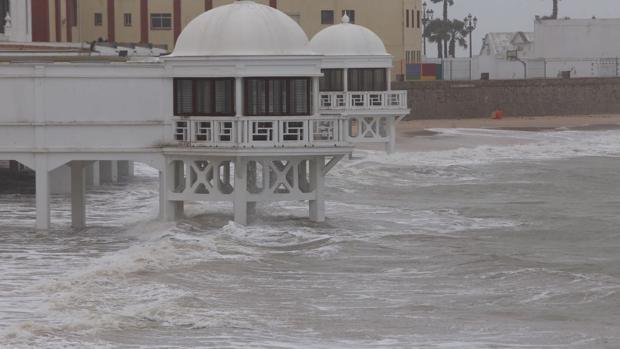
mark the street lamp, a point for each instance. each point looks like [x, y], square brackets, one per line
[427, 16]
[470, 25]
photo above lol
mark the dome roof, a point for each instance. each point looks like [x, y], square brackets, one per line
[242, 28]
[348, 39]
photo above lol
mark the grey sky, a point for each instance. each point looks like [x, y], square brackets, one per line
[515, 15]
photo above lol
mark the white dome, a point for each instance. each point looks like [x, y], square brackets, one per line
[242, 28]
[348, 39]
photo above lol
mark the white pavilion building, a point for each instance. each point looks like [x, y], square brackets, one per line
[244, 110]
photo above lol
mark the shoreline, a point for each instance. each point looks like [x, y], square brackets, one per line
[419, 135]
[513, 123]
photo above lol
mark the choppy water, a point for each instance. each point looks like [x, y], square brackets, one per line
[494, 246]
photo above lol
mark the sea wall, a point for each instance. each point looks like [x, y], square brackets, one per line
[478, 99]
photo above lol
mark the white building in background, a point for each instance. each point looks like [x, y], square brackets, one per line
[244, 110]
[493, 58]
[579, 47]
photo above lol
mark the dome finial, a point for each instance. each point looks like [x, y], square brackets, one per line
[346, 19]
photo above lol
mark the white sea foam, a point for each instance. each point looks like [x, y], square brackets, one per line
[533, 146]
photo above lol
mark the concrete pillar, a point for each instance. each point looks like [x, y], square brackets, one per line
[317, 183]
[178, 168]
[78, 195]
[42, 182]
[252, 186]
[240, 192]
[168, 210]
[105, 168]
[13, 168]
[96, 173]
[390, 146]
[114, 171]
[131, 169]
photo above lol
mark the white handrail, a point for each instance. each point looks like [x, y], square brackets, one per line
[261, 132]
[363, 100]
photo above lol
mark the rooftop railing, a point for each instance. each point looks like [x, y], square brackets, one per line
[363, 101]
[261, 132]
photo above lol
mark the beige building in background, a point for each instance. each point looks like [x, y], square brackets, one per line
[159, 22]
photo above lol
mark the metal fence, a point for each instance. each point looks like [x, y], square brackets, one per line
[499, 69]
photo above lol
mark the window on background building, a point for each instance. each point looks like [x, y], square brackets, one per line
[4, 9]
[327, 17]
[418, 19]
[367, 79]
[277, 96]
[204, 97]
[407, 22]
[350, 13]
[332, 80]
[74, 13]
[161, 21]
[127, 19]
[98, 19]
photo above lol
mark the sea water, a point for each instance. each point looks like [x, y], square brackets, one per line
[512, 242]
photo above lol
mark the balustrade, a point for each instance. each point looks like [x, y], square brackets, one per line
[363, 100]
[251, 132]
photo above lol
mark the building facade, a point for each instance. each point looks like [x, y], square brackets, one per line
[160, 22]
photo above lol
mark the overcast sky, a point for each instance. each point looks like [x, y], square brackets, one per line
[518, 15]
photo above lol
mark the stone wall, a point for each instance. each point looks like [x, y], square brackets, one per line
[478, 99]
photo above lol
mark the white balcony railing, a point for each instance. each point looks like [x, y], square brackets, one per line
[371, 101]
[261, 132]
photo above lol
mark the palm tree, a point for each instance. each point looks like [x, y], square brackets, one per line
[438, 31]
[458, 35]
[446, 4]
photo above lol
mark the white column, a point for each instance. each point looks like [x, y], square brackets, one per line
[78, 195]
[317, 183]
[345, 79]
[240, 192]
[251, 173]
[390, 146]
[42, 183]
[178, 168]
[131, 169]
[96, 173]
[114, 171]
[316, 105]
[389, 79]
[168, 210]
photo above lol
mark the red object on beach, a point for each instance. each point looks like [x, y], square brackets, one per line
[497, 114]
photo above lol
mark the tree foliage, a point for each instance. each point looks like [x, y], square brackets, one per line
[446, 33]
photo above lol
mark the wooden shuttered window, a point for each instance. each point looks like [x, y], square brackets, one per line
[204, 97]
[332, 80]
[277, 96]
[368, 79]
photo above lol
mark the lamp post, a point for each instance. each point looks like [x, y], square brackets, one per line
[427, 16]
[470, 25]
